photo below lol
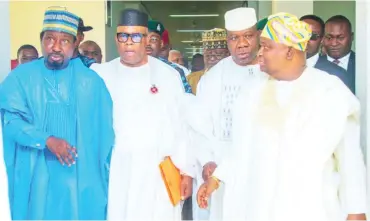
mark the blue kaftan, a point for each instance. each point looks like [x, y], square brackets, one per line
[72, 104]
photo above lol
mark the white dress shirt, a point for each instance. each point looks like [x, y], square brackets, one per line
[311, 62]
[343, 61]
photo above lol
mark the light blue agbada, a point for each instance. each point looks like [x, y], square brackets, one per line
[72, 104]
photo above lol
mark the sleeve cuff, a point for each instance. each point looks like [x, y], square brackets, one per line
[35, 140]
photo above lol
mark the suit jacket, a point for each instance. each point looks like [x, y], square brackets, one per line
[351, 71]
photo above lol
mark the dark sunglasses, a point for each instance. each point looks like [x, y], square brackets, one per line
[135, 37]
[315, 37]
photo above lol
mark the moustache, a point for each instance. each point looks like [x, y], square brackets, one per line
[149, 48]
[56, 54]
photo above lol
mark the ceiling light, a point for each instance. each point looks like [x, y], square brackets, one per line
[189, 31]
[191, 41]
[200, 15]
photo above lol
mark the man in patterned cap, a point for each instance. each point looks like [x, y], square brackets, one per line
[54, 108]
[154, 46]
[288, 132]
[215, 49]
[148, 125]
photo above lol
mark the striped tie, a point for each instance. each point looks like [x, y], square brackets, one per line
[336, 61]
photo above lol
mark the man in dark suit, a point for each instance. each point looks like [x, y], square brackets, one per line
[337, 41]
[321, 62]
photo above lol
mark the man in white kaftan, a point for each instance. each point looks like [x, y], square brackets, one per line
[221, 85]
[4, 197]
[148, 127]
[296, 153]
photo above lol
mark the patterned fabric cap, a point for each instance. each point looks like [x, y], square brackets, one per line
[59, 19]
[214, 39]
[285, 28]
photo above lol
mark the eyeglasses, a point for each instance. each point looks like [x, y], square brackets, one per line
[135, 37]
[315, 37]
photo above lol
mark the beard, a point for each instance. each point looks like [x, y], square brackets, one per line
[54, 64]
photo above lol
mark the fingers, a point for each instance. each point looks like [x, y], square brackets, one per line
[202, 199]
[68, 154]
[60, 159]
[73, 151]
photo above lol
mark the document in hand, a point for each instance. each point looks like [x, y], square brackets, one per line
[172, 179]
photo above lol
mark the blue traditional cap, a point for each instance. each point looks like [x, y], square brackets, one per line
[59, 19]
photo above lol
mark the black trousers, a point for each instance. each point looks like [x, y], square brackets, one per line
[187, 210]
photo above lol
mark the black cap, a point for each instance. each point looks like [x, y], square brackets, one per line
[133, 17]
[82, 27]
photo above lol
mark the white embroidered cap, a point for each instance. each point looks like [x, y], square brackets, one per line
[240, 19]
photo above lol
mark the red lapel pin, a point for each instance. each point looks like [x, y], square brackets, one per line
[154, 89]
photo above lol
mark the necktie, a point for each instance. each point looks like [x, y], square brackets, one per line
[336, 61]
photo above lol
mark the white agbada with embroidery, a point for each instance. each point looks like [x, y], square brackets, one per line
[217, 91]
[147, 128]
[4, 197]
[296, 153]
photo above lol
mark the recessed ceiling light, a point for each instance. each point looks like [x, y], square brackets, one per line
[200, 15]
[191, 41]
[189, 30]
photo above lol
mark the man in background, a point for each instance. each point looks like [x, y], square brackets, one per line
[80, 37]
[91, 50]
[215, 49]
[313, 51]
[165, 51]
[197, 62]
[154, 46]
[176, 57]
[27, 53]
[337, 41]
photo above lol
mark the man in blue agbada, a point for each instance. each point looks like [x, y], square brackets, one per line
[53, 109]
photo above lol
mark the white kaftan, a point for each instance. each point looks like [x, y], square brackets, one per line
[4, 197]
[296, 153]
[217, 91]
[147, 127]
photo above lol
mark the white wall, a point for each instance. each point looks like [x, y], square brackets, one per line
[363, 79]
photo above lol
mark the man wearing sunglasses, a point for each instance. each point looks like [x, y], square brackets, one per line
[154, 46]
[313, 51]
[148, 126]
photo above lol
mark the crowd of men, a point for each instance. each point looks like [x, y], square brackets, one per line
[263, 128]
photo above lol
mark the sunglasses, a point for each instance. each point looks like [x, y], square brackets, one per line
[135, 37]
[315, 37]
